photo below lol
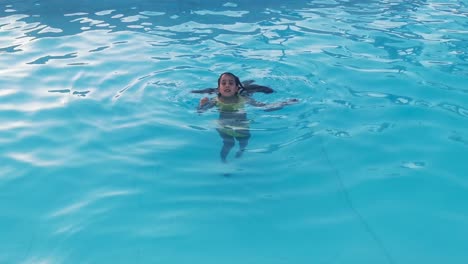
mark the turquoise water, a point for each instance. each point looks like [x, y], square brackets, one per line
[104, 158]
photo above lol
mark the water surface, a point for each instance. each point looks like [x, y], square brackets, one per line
[105, 159]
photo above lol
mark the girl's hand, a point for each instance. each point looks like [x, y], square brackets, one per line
[205, 104]
[203, 101]
[292, 101]
[277, 106]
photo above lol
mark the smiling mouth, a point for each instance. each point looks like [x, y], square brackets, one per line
[227, 90]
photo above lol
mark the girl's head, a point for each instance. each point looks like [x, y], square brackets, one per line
[229, 85]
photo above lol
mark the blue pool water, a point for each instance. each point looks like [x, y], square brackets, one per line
[104, 158]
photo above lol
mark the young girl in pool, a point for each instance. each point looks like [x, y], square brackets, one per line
[233, 122]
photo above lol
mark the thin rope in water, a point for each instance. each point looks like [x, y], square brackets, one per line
[348, 199]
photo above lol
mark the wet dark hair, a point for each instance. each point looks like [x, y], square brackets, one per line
[238, 82]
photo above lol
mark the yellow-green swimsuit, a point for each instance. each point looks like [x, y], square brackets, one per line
[232, 119]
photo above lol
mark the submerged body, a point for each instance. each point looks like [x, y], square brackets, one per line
[233, 125]
[233, 118]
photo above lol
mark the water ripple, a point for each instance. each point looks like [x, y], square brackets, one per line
[89, 200]
[101, 141]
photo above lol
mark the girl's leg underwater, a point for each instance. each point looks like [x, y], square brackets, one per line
[243, 142]
[228, 144]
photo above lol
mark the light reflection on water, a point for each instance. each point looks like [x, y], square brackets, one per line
[105, 158]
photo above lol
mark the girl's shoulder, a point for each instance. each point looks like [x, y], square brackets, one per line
[244, 98]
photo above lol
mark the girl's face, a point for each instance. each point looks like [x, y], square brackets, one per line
[227, 86]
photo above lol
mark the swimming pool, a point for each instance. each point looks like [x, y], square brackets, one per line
[105, 159]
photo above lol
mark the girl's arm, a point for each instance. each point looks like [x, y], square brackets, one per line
[271, 107]
[205, 104]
